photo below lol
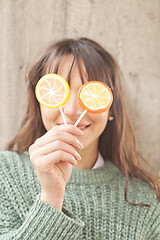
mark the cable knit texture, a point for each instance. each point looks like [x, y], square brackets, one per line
[94, 206]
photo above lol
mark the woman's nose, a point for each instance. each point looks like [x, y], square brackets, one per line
[71, 108]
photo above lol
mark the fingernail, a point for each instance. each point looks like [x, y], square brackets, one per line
[79, 131]
[75, 162]
[80, 145]
[78, 156]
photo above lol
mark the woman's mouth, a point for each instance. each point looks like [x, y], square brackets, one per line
[84, 127]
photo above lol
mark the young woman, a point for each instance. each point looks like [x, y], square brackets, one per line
[59, 181]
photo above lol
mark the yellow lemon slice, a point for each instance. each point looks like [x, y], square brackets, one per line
[52, 91]
[95, 97]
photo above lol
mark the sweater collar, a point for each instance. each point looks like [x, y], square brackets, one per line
[94, 176]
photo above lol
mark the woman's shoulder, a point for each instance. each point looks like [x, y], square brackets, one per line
[11, 154]
[13, 159]
[138, 189]
[18, 180]
[13, 164]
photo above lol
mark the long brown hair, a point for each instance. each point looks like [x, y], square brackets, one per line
[117, 143]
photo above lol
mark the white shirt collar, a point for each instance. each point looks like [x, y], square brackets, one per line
[100, 162]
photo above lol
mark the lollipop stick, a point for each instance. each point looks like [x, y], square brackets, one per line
[64, 120]
[80, 117]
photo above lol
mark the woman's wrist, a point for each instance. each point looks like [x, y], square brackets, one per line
[52, 200]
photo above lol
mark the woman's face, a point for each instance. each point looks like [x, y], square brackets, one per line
[91, 124]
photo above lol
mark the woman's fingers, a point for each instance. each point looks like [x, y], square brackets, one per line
[46, 163]
[56, 133]
[58, 144]
[55, 146]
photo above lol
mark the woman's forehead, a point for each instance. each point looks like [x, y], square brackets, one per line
[67, 67]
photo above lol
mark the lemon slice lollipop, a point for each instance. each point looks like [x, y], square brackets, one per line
[52, 91]
[94, 97]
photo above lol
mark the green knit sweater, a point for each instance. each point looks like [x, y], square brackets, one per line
[94, 206]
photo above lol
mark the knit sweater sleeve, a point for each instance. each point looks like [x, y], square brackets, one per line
[39, 221]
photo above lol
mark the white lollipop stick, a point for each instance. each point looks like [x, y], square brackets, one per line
[64, 120]
[80, 117]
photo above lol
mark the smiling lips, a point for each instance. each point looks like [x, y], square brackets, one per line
[83, 127]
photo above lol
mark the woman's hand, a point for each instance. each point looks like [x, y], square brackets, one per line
[53, 156]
